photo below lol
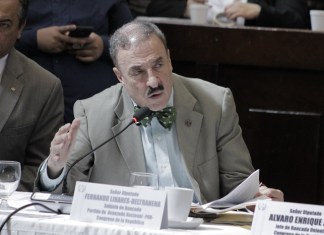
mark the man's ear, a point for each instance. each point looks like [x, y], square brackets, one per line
[169, 58]
[21, 29]
[118, 75]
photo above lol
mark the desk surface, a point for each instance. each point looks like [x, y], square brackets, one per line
[31, 222]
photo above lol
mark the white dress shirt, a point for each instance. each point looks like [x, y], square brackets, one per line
[162, 154]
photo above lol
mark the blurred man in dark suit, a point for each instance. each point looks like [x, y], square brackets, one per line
[83, 64]
[31, 99]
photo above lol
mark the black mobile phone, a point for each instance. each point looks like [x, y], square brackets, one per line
[81, 32]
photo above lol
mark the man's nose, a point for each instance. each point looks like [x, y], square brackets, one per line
[152, 80]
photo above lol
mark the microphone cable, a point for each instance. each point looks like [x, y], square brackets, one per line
[25, 206]
[64, 187]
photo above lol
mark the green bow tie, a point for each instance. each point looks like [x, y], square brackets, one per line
[165, 116]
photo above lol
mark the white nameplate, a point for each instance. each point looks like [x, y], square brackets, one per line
[111, 204]
[283, 218]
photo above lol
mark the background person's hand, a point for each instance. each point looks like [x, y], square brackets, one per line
[91, 48]
[53, 39]
[248, 11]
[274, 194]
[61, 146]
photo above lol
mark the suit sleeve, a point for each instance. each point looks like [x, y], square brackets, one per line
[234, 158]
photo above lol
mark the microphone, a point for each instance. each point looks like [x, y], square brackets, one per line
[139, 115]
[62, 201]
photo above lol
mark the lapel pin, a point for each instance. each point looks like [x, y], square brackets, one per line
[188, 123]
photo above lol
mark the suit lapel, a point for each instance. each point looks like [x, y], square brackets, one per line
[129, 142]
[188, 123]
[10, 87]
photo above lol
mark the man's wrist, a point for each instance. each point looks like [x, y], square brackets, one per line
[46, 183]
[54, 170]
[53, 174]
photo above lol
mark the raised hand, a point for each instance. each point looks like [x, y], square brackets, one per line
[61, 147]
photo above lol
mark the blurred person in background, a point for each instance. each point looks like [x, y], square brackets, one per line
[138, 7]
[266, 13]
[31, 99]
[83, 64]
[171, 8]
[270, 13]
[315, 4]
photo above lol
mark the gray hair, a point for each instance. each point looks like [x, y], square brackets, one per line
[132, 33]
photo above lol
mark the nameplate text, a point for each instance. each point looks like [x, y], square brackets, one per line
[127, 206]
[283, 218]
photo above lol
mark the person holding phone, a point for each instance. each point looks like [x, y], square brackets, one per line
[82, 63]
[79, 32]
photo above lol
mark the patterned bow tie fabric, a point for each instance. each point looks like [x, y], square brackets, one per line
[166, 117]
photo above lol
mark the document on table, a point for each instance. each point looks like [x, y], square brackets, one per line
[238, 218]
[240, 197]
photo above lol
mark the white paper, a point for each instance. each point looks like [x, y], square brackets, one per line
[239, 197]
[242, 193]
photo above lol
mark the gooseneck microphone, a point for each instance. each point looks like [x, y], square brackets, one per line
[139, 115]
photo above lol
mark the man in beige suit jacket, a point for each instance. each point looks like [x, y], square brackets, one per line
[213, 156]
[31, 99]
